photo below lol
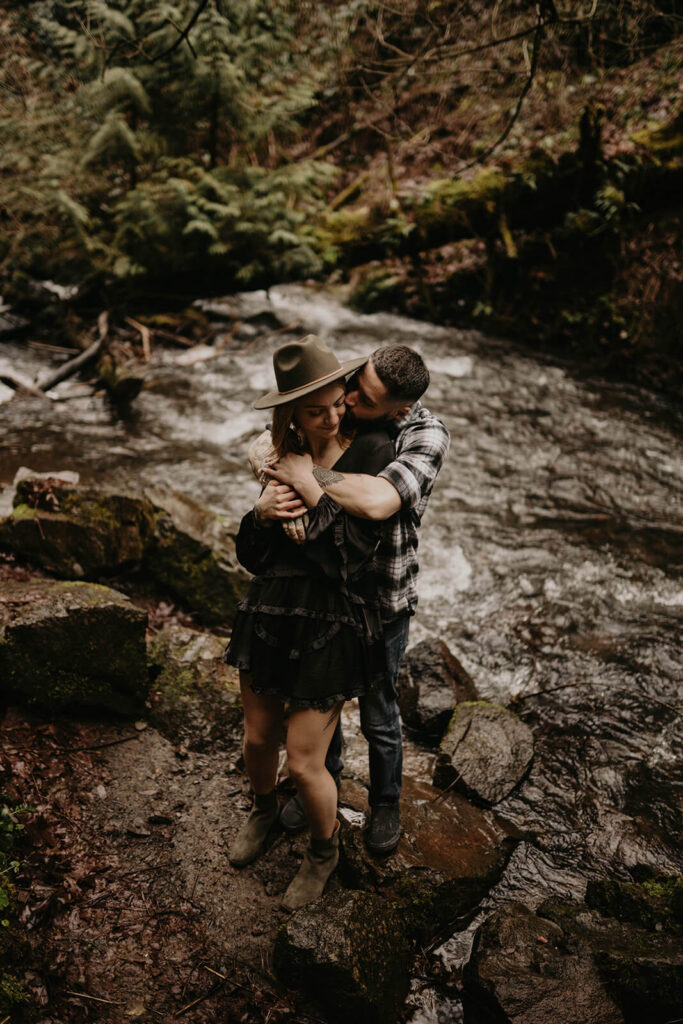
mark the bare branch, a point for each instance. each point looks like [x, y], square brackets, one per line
[183, 34]
[538, 37]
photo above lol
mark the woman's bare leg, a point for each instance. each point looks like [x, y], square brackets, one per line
[263, 719]
[308, 736]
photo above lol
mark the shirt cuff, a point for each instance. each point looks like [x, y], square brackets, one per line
[403, 481]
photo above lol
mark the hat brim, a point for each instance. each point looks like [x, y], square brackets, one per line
[274, 398]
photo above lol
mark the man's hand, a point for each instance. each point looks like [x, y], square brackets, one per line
[295, 470]
[278, 502]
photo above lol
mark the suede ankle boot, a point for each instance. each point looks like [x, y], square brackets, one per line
[320, 860]
[250, 839]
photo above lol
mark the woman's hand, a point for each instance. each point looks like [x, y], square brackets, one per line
[291, 469]
[278, 502]
[297, 472]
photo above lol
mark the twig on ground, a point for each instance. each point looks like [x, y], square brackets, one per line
[443, 792]
[100, 746]
[207, 995]
[95, 999]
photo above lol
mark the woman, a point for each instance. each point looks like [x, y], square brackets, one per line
[308, 635]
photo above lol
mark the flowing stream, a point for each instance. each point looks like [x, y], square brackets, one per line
[551, 554]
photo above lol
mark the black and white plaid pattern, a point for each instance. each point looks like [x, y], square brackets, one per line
[422, 443]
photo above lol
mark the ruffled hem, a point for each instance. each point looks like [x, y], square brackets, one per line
[306, 663]
[365, 628]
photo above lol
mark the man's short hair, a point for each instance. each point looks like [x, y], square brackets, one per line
[402, 371]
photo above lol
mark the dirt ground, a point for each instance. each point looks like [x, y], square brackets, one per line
[129, 906]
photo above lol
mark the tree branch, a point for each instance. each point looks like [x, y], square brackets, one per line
[183, 33]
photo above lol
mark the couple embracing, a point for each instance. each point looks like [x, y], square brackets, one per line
[332, 545]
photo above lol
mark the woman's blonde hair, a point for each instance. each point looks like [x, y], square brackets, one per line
[288, 437]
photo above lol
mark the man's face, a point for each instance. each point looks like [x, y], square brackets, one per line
[368, 399]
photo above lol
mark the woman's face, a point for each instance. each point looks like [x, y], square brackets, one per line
[320, 413]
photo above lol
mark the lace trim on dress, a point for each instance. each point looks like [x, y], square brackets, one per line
[323, 704]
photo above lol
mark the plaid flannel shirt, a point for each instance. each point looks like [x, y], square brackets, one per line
[422, 443]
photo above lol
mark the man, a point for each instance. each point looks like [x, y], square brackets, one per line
[387, 388]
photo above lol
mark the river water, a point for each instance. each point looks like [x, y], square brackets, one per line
[551, 553]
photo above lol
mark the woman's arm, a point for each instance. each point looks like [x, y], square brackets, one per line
[257, 543]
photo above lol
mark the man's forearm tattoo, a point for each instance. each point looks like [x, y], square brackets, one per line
[326, 477]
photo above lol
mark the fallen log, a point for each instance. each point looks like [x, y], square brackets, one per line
[74, 365]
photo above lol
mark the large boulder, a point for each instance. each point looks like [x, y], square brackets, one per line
[449, 856]
[567, 962]
[522, 971]
[485, 753]
[72, 645]
[195, 696]
[349, 950]
[192, 552]
[83, 533]
[430, 684]
[77, 533]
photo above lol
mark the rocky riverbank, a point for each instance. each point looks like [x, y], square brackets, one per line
[130, 819]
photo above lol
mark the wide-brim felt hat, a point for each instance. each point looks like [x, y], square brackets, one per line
[304, 366]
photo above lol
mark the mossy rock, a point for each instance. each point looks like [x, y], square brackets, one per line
[663, 140]
[195, 696]
[66, 645]
[350, 952]
[655, 904]
[77, 533]
[486, 751]
[192, 552]
[84, 533]
[524, 967]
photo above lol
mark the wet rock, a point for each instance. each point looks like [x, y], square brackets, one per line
[524, 968]
[349, 950]
[449, 856]
[82, 533]
[195, 697]
[430, 684]
[641, 968]
[72, 645]
[486, 752]
[192, 552]
[566, 962]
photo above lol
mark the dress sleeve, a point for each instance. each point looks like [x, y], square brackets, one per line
[257, 546]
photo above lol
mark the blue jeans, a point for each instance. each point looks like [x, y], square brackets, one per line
[380, 723]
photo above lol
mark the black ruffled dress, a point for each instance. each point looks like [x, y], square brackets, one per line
[309, 629]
